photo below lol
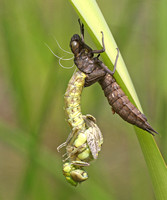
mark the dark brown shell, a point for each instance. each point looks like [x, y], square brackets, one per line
[94, 69]
[121, 104]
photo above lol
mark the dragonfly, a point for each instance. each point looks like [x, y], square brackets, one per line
[96, 71]
[85, 140]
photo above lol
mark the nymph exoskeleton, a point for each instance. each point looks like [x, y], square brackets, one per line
[96, 71]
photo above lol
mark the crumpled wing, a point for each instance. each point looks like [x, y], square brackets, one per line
[94, 140]
[94, 135]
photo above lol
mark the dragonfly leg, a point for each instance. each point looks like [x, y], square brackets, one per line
[61, 146]
[106, 68]
[82, 30]
[72, 135]
[103, 45]
[80, 163]
[76, 150]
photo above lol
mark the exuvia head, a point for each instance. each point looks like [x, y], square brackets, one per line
[74, 174]
[78, 46]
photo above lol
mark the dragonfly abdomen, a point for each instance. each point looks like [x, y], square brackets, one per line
[72, 100]
[84, 142]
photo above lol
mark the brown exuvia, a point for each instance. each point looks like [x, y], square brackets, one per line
[97, 71]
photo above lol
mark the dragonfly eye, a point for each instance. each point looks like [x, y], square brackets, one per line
[79, 175]
[73, 174]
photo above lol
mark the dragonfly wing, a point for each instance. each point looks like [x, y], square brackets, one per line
[92, 143]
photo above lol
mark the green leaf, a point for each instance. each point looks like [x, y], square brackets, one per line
[94, 21]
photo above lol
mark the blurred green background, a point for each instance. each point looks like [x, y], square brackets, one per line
[32, 85]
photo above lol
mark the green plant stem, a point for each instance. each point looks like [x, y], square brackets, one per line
[94, 21]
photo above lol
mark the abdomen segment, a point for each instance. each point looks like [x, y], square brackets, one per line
[121, 104]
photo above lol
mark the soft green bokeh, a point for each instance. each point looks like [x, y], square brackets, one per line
[32, 119]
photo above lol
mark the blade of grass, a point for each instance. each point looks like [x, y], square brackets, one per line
[17, 70]
[31, 171]
[92, 17]
[94, 21]
[162, 72]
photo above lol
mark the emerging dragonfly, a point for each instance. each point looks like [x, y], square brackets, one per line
[96, 71]
[85, 140]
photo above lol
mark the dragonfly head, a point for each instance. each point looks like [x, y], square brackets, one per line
[78, 46]
[73, 174]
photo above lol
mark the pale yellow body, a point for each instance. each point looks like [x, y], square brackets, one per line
[85, 139]
[72, 99]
